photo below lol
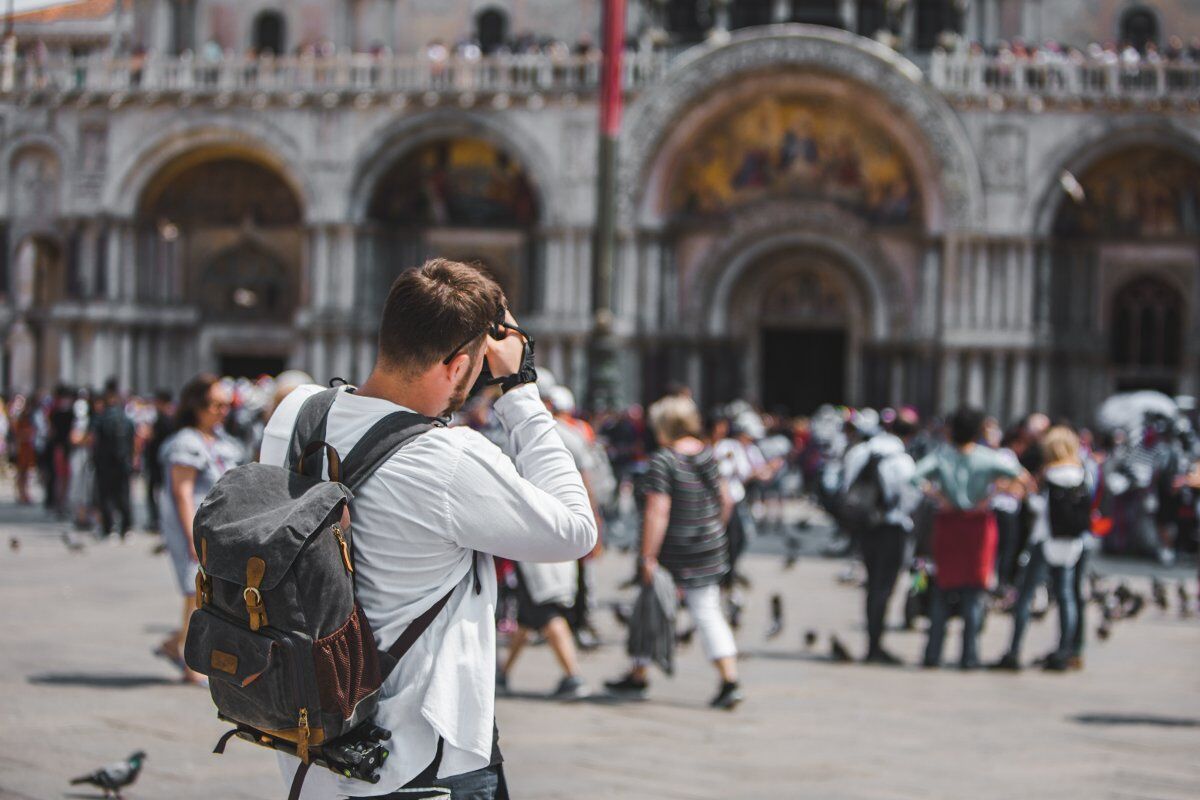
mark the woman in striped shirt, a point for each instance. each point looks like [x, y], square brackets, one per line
[683, 531]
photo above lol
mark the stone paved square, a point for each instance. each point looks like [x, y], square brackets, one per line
[81, 688]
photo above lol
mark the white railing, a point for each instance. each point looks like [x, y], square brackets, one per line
[513, 74]
[971, 76]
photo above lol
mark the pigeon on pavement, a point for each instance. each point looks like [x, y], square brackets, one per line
[14, 544]
[73, 544]
[776, 617]
[838, 652]
[115, 777]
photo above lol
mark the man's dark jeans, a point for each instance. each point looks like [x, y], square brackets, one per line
[112, 494]
[971, 603]
[883, 556]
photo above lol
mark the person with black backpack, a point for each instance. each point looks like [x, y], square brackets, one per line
[1062, 519]
[877, 503]
[411, 655]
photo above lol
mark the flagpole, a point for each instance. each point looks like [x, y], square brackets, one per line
[603, 372]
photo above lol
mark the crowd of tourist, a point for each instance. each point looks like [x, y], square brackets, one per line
[982, 513]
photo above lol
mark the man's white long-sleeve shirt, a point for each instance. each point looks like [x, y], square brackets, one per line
[417, 524]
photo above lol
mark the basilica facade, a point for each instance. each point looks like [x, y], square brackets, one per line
[817, 202]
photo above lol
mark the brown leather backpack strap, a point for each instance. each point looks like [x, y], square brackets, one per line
[298, 781]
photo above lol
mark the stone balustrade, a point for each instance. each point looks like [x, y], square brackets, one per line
[519, 75]
[970, 77]
[962, 76]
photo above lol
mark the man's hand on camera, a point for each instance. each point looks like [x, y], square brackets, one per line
[504, 355]
[510, 358]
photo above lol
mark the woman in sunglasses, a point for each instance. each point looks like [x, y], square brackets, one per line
[198, 454]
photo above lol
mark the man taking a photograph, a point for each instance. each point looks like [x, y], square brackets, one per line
[432, 517]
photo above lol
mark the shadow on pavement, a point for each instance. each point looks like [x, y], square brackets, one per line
[598, 699]
[1137, 719]
[100, 680]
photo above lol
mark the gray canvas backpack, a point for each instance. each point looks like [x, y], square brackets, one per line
[289, 654]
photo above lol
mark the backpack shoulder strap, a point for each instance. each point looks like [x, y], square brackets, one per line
[380, 443]
[310, 426]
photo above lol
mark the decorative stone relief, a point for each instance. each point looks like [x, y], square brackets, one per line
[36, 187]
[1004, 158]
[93, 158]
[696, 75]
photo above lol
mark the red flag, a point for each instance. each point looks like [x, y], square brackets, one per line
[610, 76]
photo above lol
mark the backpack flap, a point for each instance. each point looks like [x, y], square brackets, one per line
[262, 513]
[225, 652]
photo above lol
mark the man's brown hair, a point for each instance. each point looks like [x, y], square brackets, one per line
[433, 309]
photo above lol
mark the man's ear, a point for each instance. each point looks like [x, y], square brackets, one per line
[459, 366]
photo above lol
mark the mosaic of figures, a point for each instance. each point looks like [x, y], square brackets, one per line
[799, 147]
[456, 183]
[1144, 193]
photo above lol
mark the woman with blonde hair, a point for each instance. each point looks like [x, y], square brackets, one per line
[1062, 519]
[683, 532]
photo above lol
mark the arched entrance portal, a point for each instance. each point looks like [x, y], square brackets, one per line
[1126, 250]
[1146, 345]
[220, 244]
[461, 198]
[798, 319]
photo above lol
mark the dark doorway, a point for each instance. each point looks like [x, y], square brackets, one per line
[1139, 27]
[251, 366]
[935, 17]
[687, 21]
[872, 18]
[269, 33]
[802, 369]
[747, 13]
[491, 28]
[817, 12]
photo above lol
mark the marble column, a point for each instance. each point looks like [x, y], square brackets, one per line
[116, 252]
[848, 11]
[1018, 395]
[128, 288]
[321, 269]
[951, 393]
[365, 358]
[981, 276]
[124, 366]
[975, 380]
[997, 401]
[318, 365]
[66, 356]
[1041, 400]
[344, 268]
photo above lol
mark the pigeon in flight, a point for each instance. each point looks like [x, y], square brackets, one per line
[115, 777]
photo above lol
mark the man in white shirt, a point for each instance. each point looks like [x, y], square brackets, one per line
[446, 500]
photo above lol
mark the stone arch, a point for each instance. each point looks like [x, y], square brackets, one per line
[398, 139]
[759, 231]
[694, 76]
[190, 144]
[1078, 152]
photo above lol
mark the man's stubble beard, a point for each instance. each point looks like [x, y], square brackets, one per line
[459, 397]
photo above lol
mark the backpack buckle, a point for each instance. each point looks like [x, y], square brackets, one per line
[203, 588]
[255, 607]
